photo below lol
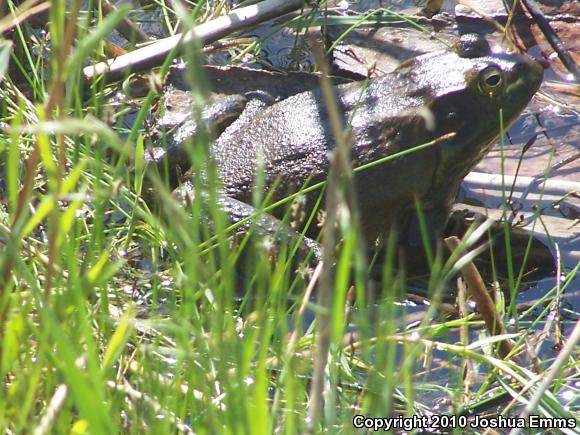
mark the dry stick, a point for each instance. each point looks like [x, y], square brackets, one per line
[557, 300]
[126, 27]
[30, 9]
[155, 54]
[552, 38]
[155, 406]
[51, 411]
[57, 95]
[54, 101]
[482, 298]
[27, 10]
[300, 314]
[274, 362]
[467, 370]
[26, 191]
[339, 173]
[220, 45]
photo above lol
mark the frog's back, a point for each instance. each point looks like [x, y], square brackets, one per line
[290, 138]
[293, 137]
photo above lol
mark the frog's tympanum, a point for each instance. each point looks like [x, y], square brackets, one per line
[452, 98]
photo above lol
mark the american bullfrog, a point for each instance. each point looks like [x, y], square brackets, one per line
[452, 98]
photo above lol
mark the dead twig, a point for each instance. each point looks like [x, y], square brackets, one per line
[482, 298]
[156, 53]
[552, 38]
[125, 27]
[28, 10]
[326, 282]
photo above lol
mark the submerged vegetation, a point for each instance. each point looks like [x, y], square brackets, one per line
[123, 314]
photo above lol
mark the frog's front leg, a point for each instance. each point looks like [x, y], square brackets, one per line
[257, 102]
[222, 116]
[262, 224]
[169, 154]
[411, 231]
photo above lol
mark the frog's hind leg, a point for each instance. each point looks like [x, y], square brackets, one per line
[246, 218]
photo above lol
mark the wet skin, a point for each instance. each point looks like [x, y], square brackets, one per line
[451, 98]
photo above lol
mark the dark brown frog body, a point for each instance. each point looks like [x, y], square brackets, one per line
[442, 97]
[452, 99]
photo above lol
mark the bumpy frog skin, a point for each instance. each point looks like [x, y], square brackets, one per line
[451, 97]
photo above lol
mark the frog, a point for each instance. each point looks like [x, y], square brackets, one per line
[450, 99]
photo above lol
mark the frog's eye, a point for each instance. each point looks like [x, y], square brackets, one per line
[490, 80]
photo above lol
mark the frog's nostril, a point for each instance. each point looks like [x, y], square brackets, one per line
[545, 64]
[535, 66]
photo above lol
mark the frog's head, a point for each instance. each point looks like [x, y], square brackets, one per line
[470, 90]
[464, 94]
